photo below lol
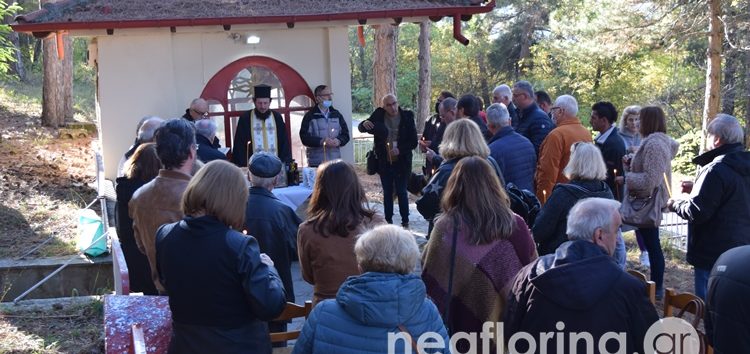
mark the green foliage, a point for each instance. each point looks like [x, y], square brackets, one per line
[362, 99]
[7, 50]
[625, 52]
[689, 148]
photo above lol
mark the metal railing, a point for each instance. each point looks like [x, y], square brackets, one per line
[364, 144]
[674, 230]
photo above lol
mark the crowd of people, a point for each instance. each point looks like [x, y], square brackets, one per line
[204, 228]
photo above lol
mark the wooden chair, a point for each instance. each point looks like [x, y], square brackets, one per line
[291, 311]
[687, 303]
[650, 285]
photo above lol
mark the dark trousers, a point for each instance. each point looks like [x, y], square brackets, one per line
[655, 256]
[390, 176]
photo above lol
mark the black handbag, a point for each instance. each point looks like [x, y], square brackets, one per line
[372, 162]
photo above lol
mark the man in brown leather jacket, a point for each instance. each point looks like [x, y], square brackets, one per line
[158, 202]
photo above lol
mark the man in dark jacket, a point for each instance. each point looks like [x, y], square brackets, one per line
[532, 122]
[503, 94]
[448, 114]
[271, 222]
[609, 141]
[728, 311]
[205, 133]
[580, 289]
[323, 130]
[199, 111]
[434, 127]
[257, 132]
[513, 152]
[395, 136]
[468, 108]
[717, 209]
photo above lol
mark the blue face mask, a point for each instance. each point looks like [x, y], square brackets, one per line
[327, 103]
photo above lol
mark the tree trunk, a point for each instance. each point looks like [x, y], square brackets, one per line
[18, 67]
[731, 61]
[484, 86]
[53, 108]
[713, 67]
[67, 67]
[425, 81]
[37, 52]
[384, 62]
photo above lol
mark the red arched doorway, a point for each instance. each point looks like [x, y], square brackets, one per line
[229, 91]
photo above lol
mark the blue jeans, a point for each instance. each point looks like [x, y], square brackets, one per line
[655, 256]
[701, 281]
[392, 175]
[620, 254]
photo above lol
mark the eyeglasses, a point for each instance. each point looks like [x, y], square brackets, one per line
[329, 95]
[554, 109]
[199, 112]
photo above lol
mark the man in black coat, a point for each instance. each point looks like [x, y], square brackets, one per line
[256, 132]
[273, 223]
[205, 133]
[532, 122]
[395, 136]
[199, 111]
[717, 209]
[581, 287]
[609, 141]
[468, 108]
[503, 94]
[728, 311]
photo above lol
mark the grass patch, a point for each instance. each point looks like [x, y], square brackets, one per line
[74, 328]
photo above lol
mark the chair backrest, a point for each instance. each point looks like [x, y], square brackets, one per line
[291, 311]
[687, 303]
[650, 285]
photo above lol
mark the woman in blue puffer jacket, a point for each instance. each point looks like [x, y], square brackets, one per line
[372, 310]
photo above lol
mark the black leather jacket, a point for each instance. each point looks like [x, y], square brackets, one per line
[220, 293]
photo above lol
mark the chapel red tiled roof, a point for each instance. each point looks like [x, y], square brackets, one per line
[112, 14]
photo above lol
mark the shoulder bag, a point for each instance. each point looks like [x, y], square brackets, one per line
[643, 212]
[372, 162]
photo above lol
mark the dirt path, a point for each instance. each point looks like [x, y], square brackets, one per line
[43, 182]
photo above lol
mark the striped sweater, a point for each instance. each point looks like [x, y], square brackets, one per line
[482, 276]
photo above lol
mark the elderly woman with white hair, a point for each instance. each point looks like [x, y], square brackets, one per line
[385, 300]
[587, 173]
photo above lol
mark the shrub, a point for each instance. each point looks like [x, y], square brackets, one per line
[689, 148]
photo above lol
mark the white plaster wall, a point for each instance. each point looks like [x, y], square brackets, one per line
[158, 73]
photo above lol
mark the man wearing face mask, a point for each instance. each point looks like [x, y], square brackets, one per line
[323, 130]
[261, 129]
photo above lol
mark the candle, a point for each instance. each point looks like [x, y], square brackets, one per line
[544, 198]
[666, 182]
[388, 147]
[325, 156]
[247, 152]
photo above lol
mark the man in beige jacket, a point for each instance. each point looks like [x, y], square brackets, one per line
[159, 201]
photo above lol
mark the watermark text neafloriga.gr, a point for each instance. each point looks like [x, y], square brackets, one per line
[667, 336]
